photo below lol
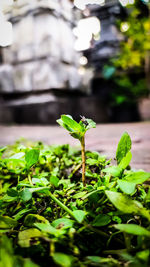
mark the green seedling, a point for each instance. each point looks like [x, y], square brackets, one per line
[49, 219]
[78, 130]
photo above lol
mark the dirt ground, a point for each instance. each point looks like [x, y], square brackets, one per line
[103, 139]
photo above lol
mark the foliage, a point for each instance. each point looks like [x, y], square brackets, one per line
[48, 218]
[129, 69]
[137, 42]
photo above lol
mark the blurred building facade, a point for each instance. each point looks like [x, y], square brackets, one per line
[41, 58]
[40, 77]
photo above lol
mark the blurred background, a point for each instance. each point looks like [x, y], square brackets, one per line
[81, 57]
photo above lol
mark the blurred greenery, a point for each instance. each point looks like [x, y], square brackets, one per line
[130, 69]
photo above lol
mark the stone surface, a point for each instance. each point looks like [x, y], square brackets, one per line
[42, 54]
[22, 77]
[46, 107]
[39, 36]
[62, 7]
[144, 109]
[108, 44]
[103, 139]
[6, 78]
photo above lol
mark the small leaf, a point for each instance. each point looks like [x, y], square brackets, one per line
[72, 124]
[124, 163]
[124, 203]
[12, 192]
[7, 222]
[21, 213]
[79, 215]
[75, 129]
[41, 181]
[133, 229]
[62, 223]
[138, 177]
[31, 157]
[26, 236]
[47, 228]
[54, 180]
[91, 124]
[100, 261]
[25, 195]
[101, 220]
[92, 161]
[143, 255]
[126, 187]
[113, 170]
[80, 195]
[30, 219]
[62, 259]
[18, 155]
[124, 147]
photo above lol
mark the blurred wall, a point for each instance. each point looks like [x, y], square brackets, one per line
[39, 74]
[43, 44]
[41, 58]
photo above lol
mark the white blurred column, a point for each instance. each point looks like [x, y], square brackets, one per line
[5, 31]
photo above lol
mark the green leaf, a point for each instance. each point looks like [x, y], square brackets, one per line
[24, 237]
[72, 124]
[7, 222]
[124, 163]
[29, 263]
[12, 192]
[133, 229]
[25, 195]
[113, 170]
[124, 147]
[79, 215]
[42, 189]
[101, 220]
[100, 261]
[54, 180]
[138, 177]
[62, 259]
[143, 255]
[62, 223]
[41, 181]
[75, 129]
[80, 195]
[18, 155]
[21, 213]
[30, 219]
[32, 157]
[126, 187]
[90, 124]
[92, 161]
[124, 203]
[47, 228]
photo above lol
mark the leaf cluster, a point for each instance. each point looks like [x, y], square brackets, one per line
[76, 130]
[48, 218]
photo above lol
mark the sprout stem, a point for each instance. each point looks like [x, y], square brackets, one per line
[83, 159]
[60, 204]
[30, 180]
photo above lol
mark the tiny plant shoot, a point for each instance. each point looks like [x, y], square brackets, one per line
[78, 130]
[54, 220]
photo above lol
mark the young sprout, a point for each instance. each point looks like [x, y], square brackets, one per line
[78, 130]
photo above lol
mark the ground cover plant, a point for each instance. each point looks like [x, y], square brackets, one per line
[60, 206]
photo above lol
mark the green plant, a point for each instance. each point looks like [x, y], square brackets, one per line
[51, 219]
[78, 130]
[129, 70]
